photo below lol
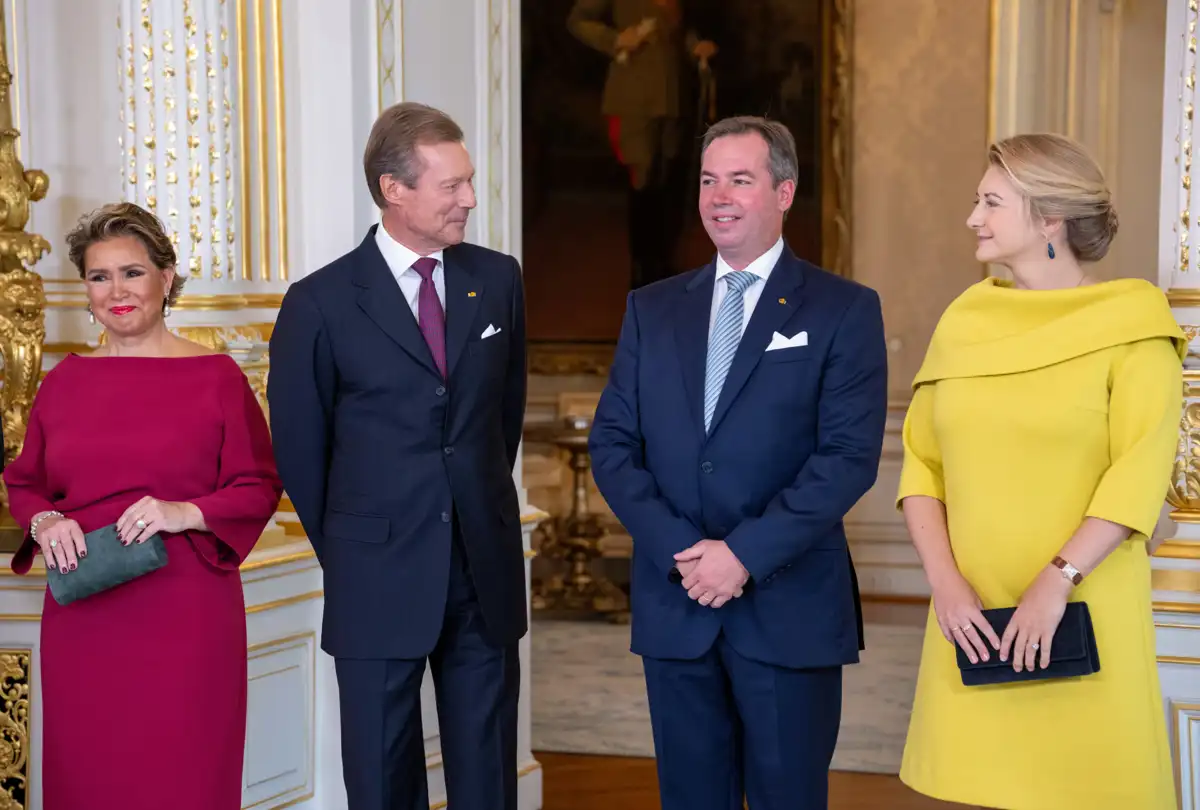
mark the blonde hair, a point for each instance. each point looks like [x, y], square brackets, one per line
[1060, 180]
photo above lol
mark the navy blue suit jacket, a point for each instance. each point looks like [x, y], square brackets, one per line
[794, 443]
[377, 452]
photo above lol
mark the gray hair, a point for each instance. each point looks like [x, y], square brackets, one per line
[781, 146]
[392, 145]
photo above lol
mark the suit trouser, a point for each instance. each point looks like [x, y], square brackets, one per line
[477, 687]
[726, 726]
[649, 149]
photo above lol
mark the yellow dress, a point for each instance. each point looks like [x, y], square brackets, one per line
[1032, 411]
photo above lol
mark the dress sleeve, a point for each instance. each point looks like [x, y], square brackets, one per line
[921, 473]
[248, 487]
[28, 491]
[1145, 402]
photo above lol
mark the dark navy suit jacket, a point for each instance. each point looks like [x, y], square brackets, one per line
[795, 442]
[377, 452]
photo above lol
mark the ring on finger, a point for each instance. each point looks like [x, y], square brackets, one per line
[141, 523]
[1034, 646]
[53, 544]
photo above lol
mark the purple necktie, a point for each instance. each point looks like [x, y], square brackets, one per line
[430, 315]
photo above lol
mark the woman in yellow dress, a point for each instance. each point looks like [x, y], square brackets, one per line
[1038, 450]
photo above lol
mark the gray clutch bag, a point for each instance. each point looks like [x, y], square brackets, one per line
[107, 565]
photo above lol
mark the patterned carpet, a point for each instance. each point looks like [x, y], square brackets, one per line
[589, 696]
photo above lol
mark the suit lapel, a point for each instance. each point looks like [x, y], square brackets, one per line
[383, 302]
[464, 291]
[691, 334]
[778, 302]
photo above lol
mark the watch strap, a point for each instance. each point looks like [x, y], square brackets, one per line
[1069, 571]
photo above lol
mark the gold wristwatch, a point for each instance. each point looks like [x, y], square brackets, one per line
[1068, 571]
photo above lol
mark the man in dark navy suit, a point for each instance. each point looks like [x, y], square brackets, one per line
[742, 420]
[397, 395]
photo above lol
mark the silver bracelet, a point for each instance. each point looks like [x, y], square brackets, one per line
[33, 527]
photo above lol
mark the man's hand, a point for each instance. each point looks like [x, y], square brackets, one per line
[631, 38]
[712, 575]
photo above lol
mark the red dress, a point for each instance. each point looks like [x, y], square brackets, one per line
[144, 686]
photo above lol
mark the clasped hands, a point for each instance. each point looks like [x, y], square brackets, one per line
[62, 541]
[712, 574]
[1029, 633]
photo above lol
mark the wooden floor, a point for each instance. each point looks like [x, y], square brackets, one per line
[574, 782]
[620, 783]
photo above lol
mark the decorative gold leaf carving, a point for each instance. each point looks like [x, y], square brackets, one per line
[14, 728]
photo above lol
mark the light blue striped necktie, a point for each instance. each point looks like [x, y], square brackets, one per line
[724, 338]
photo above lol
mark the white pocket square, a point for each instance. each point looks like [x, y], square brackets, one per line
[489, 332]
[778, 341]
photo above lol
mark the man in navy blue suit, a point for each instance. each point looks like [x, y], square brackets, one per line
[742, 420]
[397, 395]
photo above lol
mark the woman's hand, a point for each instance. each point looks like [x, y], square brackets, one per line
[1033, 624]
[150, 515]
[61, 541]
[959, 614]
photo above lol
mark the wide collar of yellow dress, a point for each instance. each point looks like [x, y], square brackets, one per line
[994, 328]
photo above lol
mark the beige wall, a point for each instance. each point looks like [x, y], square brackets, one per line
[1137, 174]
[1093, 71]
[920, 132]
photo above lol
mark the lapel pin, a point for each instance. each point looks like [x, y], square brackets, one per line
[783, 300]
[470, 295]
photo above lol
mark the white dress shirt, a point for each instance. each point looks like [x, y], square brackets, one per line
[400, 261]
[761, 267]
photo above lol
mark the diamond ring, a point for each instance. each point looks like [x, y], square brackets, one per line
[53, 544]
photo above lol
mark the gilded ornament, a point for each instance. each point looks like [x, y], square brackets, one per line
[1184, 492]
[22, 294]
[14, 728]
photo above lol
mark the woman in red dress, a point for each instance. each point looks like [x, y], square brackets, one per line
[143, 685]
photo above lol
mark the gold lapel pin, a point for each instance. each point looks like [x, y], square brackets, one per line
[470, 295]
[783, 300]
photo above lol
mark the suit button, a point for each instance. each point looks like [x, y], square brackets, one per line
[440, 391]
[445, 517]
[706, 466]
[449, 451]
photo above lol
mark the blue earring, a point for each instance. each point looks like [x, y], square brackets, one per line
[1050, 250]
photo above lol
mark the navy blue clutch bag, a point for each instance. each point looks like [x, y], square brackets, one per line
[107, 565]
[1073, 651]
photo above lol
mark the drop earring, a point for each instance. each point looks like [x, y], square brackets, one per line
[91, 316]
[1050, 249]
[166, 310]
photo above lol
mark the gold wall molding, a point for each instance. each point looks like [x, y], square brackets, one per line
[389, 52]
[298, 641]
[263, 133]
[837, 136]
[1184, 715]
[1177, 138]
[1178, 580]
[287, 601]
[15, 739]
[1188, 608]
[1183, 298]
[1178, 550]
[274, 562]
